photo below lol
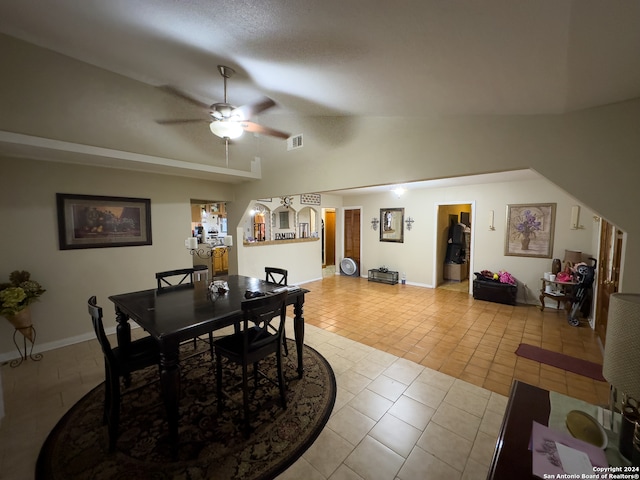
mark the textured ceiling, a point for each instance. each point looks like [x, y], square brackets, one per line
[337, 57]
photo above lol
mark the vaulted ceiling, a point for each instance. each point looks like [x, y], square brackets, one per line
[336, 57]
[348, 59]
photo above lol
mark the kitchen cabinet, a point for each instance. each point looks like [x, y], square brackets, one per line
[220, 260]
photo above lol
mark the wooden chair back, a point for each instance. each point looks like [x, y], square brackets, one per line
[276, 275]
[175, 279]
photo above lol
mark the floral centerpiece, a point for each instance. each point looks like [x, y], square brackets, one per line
[526, 226]
[16, 296]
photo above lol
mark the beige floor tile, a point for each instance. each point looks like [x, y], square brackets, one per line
[301, 469]
[344, 473]
[350, 424]
[374, 461]
[475, 471]
[328, 452]
[426, 394]
[352, 381]
[412, 412]
[371, 404]
[446, 445]
[421, 465]
[482, 451]
[456, 420]
[399, 436]
[404, 371]
[387, 387]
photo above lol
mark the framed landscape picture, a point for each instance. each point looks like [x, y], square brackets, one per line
[530, 229]
[89, 221]
[392, 225]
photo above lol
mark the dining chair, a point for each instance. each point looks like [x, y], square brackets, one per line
[253, 343]
[175, 279]
[181, 278]
[279, 277]
[276, 275]
[119, 364]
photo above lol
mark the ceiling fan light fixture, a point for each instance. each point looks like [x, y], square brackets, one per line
[224, 129]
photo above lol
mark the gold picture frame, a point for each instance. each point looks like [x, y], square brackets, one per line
[92, 221]
[530, 230]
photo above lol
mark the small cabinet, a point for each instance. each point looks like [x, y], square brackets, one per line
[455, 271]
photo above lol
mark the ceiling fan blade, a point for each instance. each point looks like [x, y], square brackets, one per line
[248, 111]
[182, 120]
[255, 128]
[177, 93]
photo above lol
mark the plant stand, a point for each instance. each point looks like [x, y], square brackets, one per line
[27, 332]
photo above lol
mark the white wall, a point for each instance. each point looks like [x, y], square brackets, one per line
[416, 256]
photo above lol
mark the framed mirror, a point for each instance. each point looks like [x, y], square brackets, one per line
[392, 225]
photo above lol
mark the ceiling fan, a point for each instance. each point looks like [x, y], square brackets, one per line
[227, 121]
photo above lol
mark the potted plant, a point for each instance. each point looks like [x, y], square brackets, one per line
[15, 298]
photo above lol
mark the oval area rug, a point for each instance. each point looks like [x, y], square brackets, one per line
[211, 447]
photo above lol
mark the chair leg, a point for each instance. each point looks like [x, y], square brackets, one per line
[211, 344]
[107, 394]
[284, 343]
[114, 411]
[219, 381]
[245, 399]
[281, 384]
[255, 375]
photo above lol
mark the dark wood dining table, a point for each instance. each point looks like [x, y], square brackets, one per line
[174, 316]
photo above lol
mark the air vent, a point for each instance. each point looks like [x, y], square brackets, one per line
[294, 142]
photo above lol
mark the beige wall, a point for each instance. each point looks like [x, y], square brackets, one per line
[29, 241]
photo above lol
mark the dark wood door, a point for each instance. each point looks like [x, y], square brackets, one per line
[352, 235]
[330, 237]
[608, 274]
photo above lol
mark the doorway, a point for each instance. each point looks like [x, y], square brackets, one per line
[453, 247]
[609, 258]
[352, 235]
[329, 238]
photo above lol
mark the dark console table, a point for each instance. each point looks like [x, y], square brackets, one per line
[512, 457]
[388, 276]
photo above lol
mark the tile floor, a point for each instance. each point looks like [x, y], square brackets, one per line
[422, 379]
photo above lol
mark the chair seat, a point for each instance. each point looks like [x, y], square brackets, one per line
[140, 354]
[232, 345]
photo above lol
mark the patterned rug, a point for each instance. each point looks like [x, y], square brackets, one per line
[211, 447]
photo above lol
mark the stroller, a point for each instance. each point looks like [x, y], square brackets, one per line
[585, 275]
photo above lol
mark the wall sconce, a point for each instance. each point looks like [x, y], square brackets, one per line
[409, 221]
[216, 251]
[374, 223]
[575, 218]
[491, 216]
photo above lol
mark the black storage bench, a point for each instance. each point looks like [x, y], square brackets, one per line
[493, 291]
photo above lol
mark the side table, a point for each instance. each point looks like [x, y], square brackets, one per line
[561, 292]
[388, 276]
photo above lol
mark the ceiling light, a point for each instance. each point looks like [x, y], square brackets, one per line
[224, 129]
[398, 191]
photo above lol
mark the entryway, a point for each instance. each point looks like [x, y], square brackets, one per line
[453, 247]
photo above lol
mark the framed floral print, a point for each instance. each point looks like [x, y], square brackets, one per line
[530, 229]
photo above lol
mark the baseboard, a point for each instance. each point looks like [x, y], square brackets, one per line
[65, 342]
